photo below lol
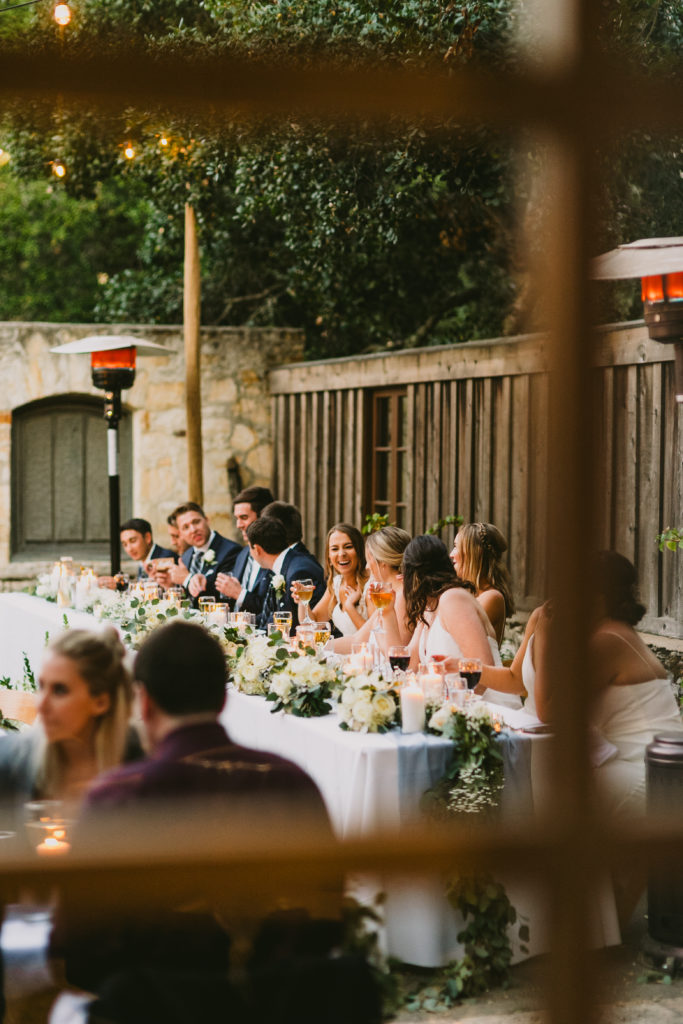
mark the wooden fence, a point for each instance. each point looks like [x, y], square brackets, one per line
[476, 424]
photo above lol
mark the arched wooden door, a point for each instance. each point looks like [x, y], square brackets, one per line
[59, 477]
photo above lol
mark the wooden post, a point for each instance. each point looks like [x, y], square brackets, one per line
[191, 322]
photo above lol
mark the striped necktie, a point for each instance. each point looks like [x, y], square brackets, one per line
[197, 561]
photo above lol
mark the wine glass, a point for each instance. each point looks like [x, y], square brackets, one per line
[470, 670]
[380, 594]
[399, 659]
[305, 590]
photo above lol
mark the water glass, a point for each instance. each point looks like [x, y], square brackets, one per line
[455, 688]
[283, 620]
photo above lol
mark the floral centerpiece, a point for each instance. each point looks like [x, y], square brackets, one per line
[303, 685]
[473, 781]
[136, 618]
[253, 660]
[368, 703]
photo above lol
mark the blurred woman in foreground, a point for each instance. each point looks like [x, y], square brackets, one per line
[84, 706]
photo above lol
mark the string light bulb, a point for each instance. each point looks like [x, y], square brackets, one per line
[58, 169]
[129, 152]
[62, 14]
[163, 141]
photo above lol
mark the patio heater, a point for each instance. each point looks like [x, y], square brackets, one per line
[659, 264]
[112, 360]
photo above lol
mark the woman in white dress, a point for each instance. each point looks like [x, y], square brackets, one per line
[478, 558]
[343, 603]
[447, 619]
[634, 698]
[384, 550]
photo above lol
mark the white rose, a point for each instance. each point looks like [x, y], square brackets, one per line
[362, 709]
[440, 718]
[384, 705]
[349, 697]
[209, 557]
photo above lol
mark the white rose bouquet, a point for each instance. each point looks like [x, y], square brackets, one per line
[303, 686]
[255, 660]
[368, 703]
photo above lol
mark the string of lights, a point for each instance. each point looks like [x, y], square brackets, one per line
[61, 13]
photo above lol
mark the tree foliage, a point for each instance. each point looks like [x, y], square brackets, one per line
[366, 238]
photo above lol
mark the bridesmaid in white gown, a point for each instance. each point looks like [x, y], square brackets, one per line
[633, 702]
[343, 602]
[447, 619]
[478, 558]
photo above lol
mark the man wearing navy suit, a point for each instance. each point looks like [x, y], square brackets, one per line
[208, 554]
[248, 583]
[136, 539]
[268, 545]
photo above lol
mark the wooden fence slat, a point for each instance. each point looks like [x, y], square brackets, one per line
[537, 583]
[649, 478]
[411, 455]
[519, 505]
[465, 449]
[433, 456]
[482, 447]
[604, 419]
[358, 399]
[420, 451]
[625, 480]
[500, 453]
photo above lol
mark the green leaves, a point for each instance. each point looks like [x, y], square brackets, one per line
[671, 538]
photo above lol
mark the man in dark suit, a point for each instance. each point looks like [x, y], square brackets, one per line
[208, 553]
[290, 517]
[248, 583]
[268, 545]
[137, 542]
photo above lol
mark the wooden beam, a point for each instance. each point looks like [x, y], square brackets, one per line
[191, 323]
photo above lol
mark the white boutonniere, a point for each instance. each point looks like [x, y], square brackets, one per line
[278, 584]
[210, 557]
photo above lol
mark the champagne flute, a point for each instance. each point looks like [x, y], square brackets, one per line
[322, 634]
[380, 595]
[305, 590]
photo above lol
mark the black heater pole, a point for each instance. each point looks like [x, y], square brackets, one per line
[112, 414]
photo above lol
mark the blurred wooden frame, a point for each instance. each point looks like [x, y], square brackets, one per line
[19, 705]
[573, 105]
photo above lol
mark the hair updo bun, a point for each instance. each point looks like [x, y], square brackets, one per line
[618, 584]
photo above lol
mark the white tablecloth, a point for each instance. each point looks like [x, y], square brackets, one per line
[25, 622]
[370, 782]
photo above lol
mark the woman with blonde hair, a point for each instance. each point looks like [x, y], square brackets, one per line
[84, 706]
[384, 552]
[477, 556]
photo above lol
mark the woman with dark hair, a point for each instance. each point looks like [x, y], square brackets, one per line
[343, 602]
[478, 558]
[447, 619]
[634, 697]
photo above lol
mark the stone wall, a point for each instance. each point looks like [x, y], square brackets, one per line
[236, 415]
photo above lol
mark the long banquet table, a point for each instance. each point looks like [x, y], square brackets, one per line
[369, 783]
